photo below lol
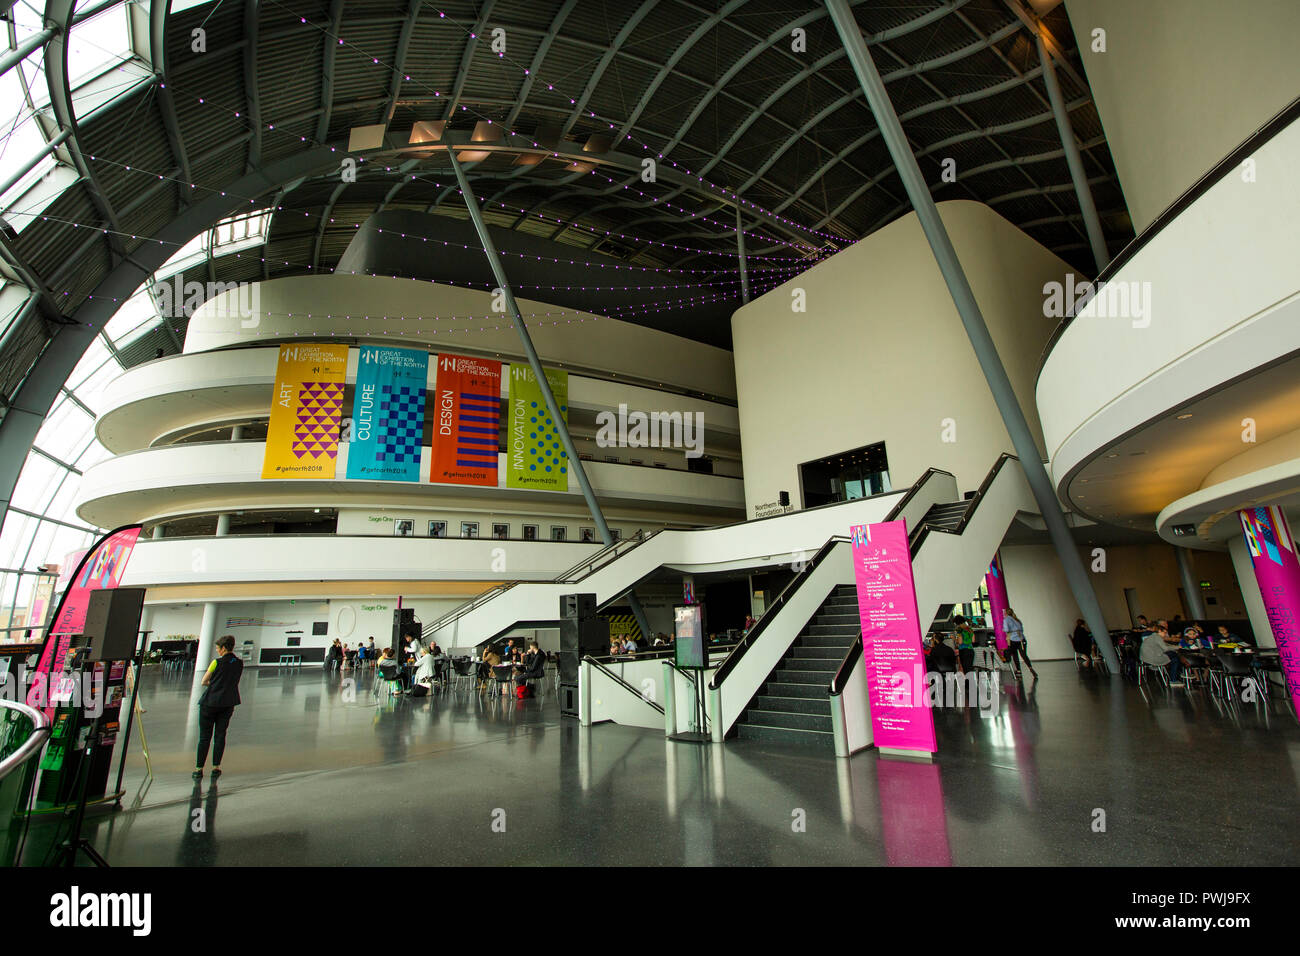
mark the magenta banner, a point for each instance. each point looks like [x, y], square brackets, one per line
[891, 637]
[996, 585]
[1277, 572]
[100, 568]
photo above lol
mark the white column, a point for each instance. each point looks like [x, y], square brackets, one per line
[1191, 587]
[1245, 570]
[207, 641]
[157, 532]
[223, 525]
[237, 433]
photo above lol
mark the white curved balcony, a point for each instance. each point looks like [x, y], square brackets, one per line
[1137, 408]
[202, 478]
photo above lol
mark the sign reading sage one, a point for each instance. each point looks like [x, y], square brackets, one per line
[534, 454]
[1277, 571]
[466, 421]
[388, 414]
[891, 637]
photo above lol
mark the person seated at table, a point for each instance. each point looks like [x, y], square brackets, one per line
[531, 664]
[615, 645]
[1226, 636]
[1195, 639]
[1081, 640]
[511, 653]
[629, 645]
[941, 657]
[1161, 650]
[423, 673]
[1143, 625]
[492, 659]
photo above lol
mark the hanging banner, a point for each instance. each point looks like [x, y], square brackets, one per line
[535, 458]
[1273, 555]
[466, 421]
[388, 414]
[996, 585]
[101, 568]
[891, 638]
[302, 440]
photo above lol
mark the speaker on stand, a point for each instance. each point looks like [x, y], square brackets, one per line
[581, 633]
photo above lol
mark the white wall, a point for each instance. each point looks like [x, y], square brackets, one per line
[881, 354]
[1180, 85]
[1041, 596]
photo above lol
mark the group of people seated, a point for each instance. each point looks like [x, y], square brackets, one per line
[1162, 644]
[959, 656]
[525, 664]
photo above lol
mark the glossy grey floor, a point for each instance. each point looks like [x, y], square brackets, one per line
[314, 777]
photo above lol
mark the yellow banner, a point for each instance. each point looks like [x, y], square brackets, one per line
[302, 440]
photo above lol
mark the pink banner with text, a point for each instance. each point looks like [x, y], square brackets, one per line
[996, 585]
[891, 637]
[1277, 571]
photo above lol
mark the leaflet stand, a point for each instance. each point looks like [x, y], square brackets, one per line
[691, 654]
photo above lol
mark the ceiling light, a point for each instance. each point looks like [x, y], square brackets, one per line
[1183, 418]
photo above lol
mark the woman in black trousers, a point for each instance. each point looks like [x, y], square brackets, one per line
[217, 704]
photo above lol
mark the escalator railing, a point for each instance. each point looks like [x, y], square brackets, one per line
[23, 733]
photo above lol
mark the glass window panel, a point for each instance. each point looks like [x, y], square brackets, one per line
[60, 505]
[62, 543]
[91, 391]
[13, 539]
[33, 484]
[64, 431]
[136, 310]
[97, 44]
[34, 554]
[96, 355]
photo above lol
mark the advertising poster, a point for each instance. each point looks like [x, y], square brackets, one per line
[302, 439]
[1273, 554]
[535, 457]
[891, 637]
[102, 567]
[388, 414]
[996, 585]
[466, 421]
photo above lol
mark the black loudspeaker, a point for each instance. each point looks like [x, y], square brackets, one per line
[783, 499]
[581, 632]
[577, 606]
[113, 623]
[404, 626]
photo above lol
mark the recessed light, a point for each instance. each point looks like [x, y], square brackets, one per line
[1184, 417]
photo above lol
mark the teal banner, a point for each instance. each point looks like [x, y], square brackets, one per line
[388, 414]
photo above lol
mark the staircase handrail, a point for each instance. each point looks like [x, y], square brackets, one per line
[618, 680]
[610, 550]
[457, 613]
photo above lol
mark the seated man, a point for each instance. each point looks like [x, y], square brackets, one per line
[1159, 649]
[1226, 636]
[941, 658]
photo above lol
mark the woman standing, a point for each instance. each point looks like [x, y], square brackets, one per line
[218, 703]
[1015, 632]
[964, 637]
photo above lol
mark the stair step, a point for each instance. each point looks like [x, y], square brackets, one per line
[790, 676]
[787, 721]
[818, 665]
[812, 739]
[813, 652]
[845, 630]
[820, 707]
[851, 618]
[842, 641]
[781, 689]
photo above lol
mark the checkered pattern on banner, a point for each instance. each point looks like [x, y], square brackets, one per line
[401, 423]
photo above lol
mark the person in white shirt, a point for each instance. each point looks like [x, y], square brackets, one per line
[1015, 632]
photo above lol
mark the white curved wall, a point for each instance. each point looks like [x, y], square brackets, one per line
[881, 354]
[1181, 85]
[416, 313]
[224, 476]
[1224, 296]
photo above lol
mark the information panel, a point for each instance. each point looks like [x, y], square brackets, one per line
[688, 642]
[466, 421]
[891, 637]
[302, 439]
[535, 457]
[388, 414]
[1277, 571]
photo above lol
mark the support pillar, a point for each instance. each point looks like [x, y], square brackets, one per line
[1022, 439]
[207, 641]
[1191, 588]
[1073, 158]
[157, 533]
[237, 433]
[223, 525]
[553, 407]
[1256, 613]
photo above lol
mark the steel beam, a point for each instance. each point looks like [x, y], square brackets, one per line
[973, 320]
[740, 254]
[553, 407]
[1075, 161]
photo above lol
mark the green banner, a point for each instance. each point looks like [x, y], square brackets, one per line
[535, 456]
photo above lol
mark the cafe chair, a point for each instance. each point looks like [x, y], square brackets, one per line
[1237, 668]
[1161, 672]
[501, 678]
[390, 674]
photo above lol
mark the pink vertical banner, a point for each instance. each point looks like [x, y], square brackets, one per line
[1277, 572]
[891, 637]
[996, 585]
[101, 568]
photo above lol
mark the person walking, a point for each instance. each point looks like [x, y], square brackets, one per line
[1015, 632]
[218, 703]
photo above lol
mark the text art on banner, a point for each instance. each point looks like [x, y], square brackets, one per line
[302, 440]
[996, 585]
[535, 457]
[466, 421]
[891, 637]
[101, 568]
[388, 414]
[1277, 571]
